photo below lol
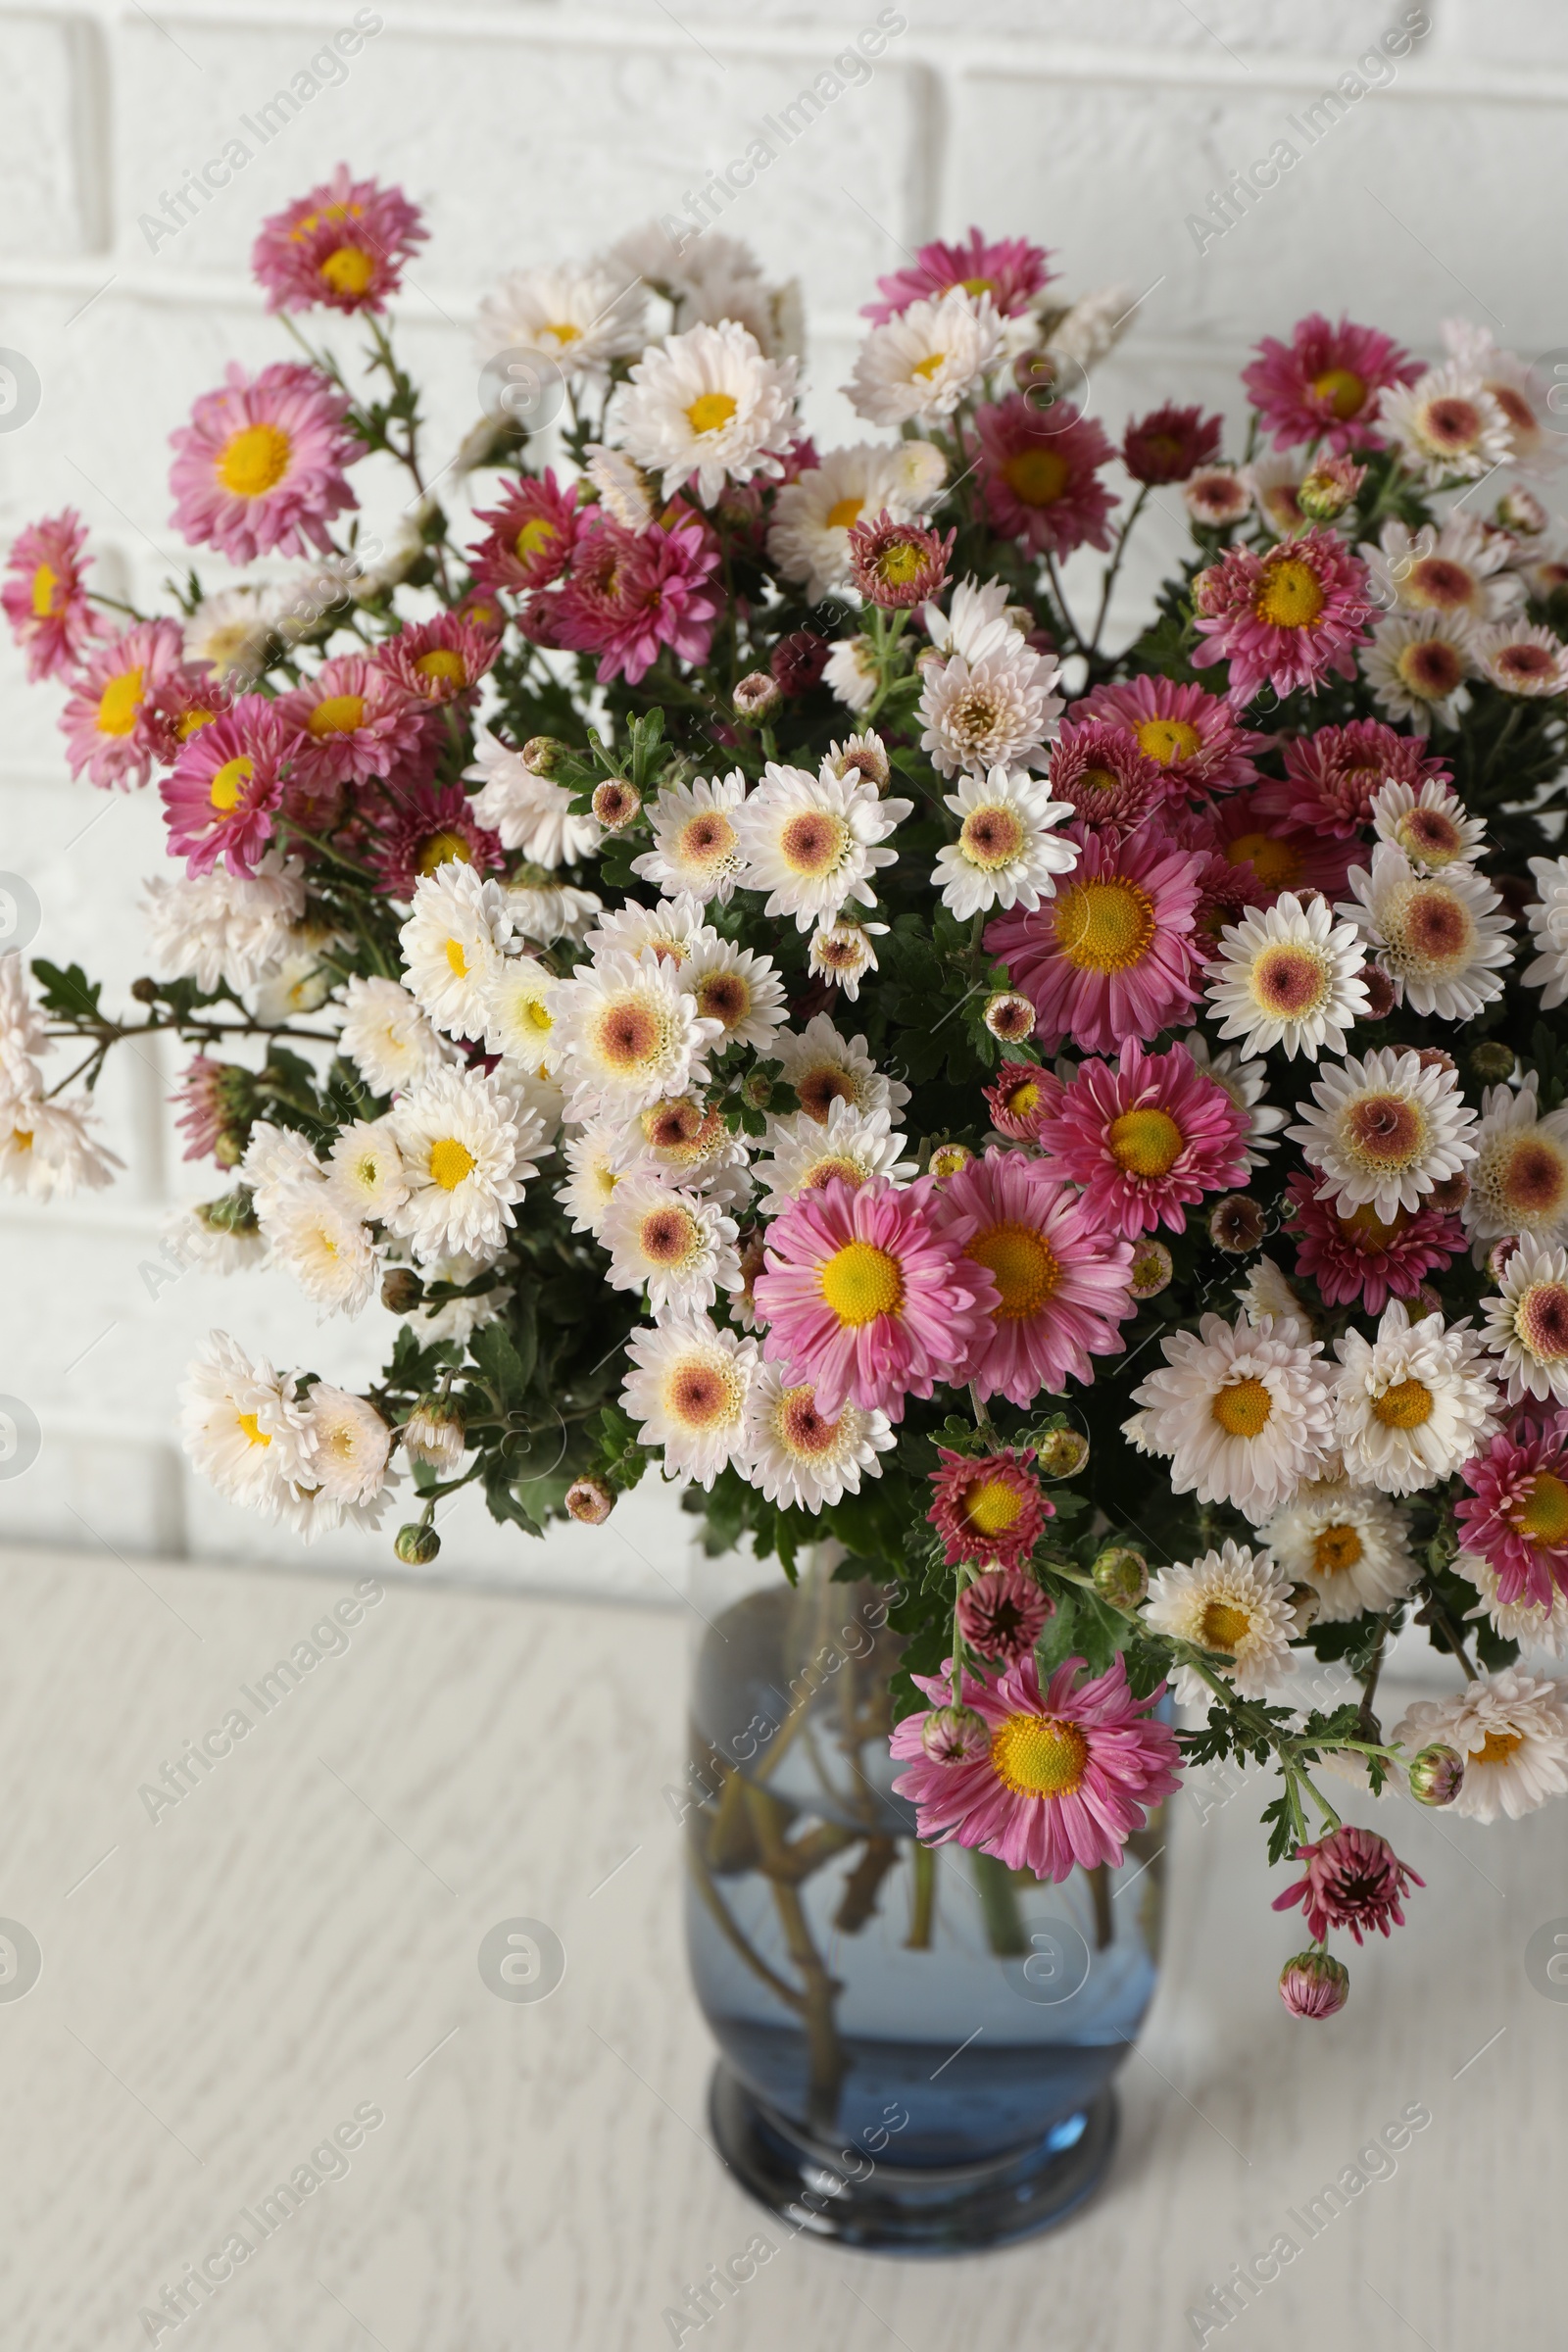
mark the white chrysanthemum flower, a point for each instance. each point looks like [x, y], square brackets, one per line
[630, 1034]
[528, 812]
[544, 910]
[998, 710]
[1461, 568]
[679, 1244]
[1416, 666]
[825, 1068]
[1272, 482]
[686, 1141]
[842, 952]
[1242, 1409]
[194, 1236]
[862, 755]
[801, 1153]
[1447, 425]
[707, 406]
[1525, 403]
[221, 928]
[1384, 1130]
[581, 318]
[243, 1427]
[275, 1160]
[591, 1156]
[47, 1149]
[228, 633]
[1511, 1729]
[536, 1093]
[923, 364]
[980, 620]
[366, 1170]
[1235, 1603]
[1430, 827]
[1519, 1176]
[812, 841]
[23, 1035]
[300, 982]
[352, 1444]
[452, 943]
[809, 537]
[1529, 1623]
[1006, 854]
[1289, 975]
[795, 1455]
[1413, 1404]
[389, 1040]
[1523, 657]
[434, 1435]
[1247, 1084]
[1264, 1294]
[694, 848]
[738, 989]
[1439, 937]
[1549, 932]
[1527, 1323]
[721, 279]
[1090, 329]
[1351, 1543]
[465, 1148]
[311, 1230]
[849, 673]
[687, 1392]
[673, 929]
[521, 998]
[625, 491]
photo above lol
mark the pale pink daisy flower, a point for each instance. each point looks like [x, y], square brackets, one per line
[1527, 1323]
[44, 599]
[344, 245]
[259, 470]
[1518, 659]
[1285, 618]
[626, 594]
[687, 1391]
[1146, 1139]
[224, 786]
[108, 722]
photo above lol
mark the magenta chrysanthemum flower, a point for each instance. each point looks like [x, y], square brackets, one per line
[344, 244]
[1516, 1513]
[1062, 1286]
[44, 597]
[229, 778]
[106, 721]
[202, 1095]
[1334, 774]
[898, 564]
[628, 593]
[1146, 1138]
[422, 830]
[439, 661]
[1280, 856]
[1071, 1770]
[1112, 956]
[183, 702]
[1037, 469]
[1353, 1880]
[355, 723]
[1284, 619]
[1009, 269]
[1169, 443]
[1364, 1258]
[1185, 730]
[532, 535]
[259, 470]
[1098, 771]
[865, 1297]
[1003, 1614]
[988, 1506]
[1021, 1095]
[1324, 384]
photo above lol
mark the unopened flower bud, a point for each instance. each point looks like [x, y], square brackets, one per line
[1500, 1254]
[1152, 1268]
[1236, 1224]
[540, 755]
[1061, 1454]
[948, 1159]
[1450, 1194]
[415, 1545]
[400, 1290]
[590, 1500]
[616, 803]
[954, 1736]
[1381, 993]
[1314, 1984]
[1009, 1017]
[757, 694]
[1437, 1774]
[1492, 1061]
[1522, 511]
[757, 1090]
[1208, 590]
[1120, 1576]
[1303, 1602]
[433, 1434]
[144, 991]
[1329, 488]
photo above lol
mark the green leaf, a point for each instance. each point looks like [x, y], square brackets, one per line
[500, 1364]
[68, 993]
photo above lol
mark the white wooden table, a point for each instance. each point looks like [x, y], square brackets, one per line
[296, 1941]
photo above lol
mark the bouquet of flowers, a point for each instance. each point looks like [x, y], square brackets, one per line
[713, 939]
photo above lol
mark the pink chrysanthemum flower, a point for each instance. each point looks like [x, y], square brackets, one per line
[1039, 472]
[1280, 856]
[1334, 774]
[866, 1299]
[1112, 954]
[1353, 1880]
[898, 564]
[988, 1506]
[219, 797]
[628, 593]
[1070, 1772]
[355, 723]
[1284, 619]
[1021, 1095]
[1008, 269]
[1185, 730]
[532, 535]
[1061, 1284]
[1364, 1258]
[1225, 892]
[187, 700]
[1169, 443]
[422, 830]
[259, 470]
[107, 722]
[203, 1114]
[44, 597]
[1516, 1513]
[1098, 769]
[1003, 1614]
[439, 661]
[1146, 1138]
[344, 244]
[1324, 384]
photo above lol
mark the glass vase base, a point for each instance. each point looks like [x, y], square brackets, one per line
[961, 2209]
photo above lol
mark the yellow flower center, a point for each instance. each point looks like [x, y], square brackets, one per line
[564, 330]
[1167, 739]
[348, 271]
[1404, 1406]
[456, 959]
[897, 565]
[1242, 1408]
[229, 781]
[710, 412]
[1335, 1550]
[1024, 1100]
[861, 1281]
[1037, 476]
[534, 536]
[1290, 596]
[1497, 1748]
[253, 1430]
[191, 723]
[1544, 1511]
[45, 582]
[1145, 1142]
[1223, 1627]
[989, 1507]
[1343, 389]
[1022, 1264]
[443, 663]
[1369, 1227]
[843, 511]
[254, 460]
[1104, 926]
[928, 367]
[120, 704]
[440, 849]
[337, 714]
[1036, 1755]
[450, 1162]
[1275, 862]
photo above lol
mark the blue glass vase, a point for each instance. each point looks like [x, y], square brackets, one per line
[917, 2045]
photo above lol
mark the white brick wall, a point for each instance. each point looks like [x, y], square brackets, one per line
[537, 128]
